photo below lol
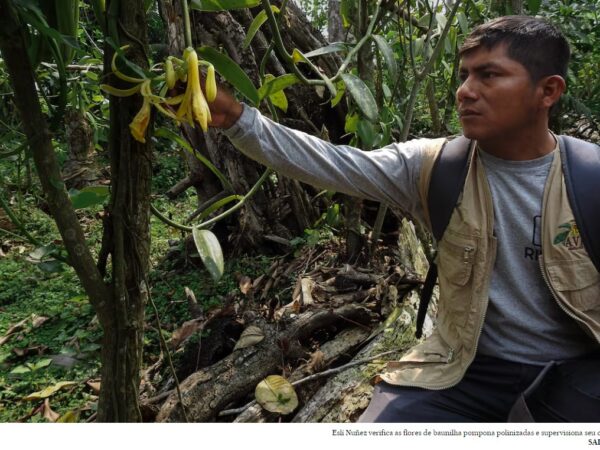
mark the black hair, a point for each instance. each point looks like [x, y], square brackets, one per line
[533, 42]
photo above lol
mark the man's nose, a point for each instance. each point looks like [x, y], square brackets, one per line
[466, 91]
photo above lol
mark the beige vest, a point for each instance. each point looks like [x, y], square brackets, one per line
[466, 255]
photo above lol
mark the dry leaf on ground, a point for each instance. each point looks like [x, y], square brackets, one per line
[276, 394]
[250, 336]
[185, 331]
[50, 390]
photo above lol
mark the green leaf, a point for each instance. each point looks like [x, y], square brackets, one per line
[41, 364]
[51, 266]
[366, 133]
[258, 21]
[441, 21]
[222, 5]
[91, 75]
[219, 204]
[232, 72]
[362, 96]
[19, 370]
[462, 21]
[351, 124]
[280, 100]
[88, 196]
[298, 56]
[346, 12]
[333, 215]
[69, 417]
[273, 85]
[50, 390]
[388, 55]
[341, 90]
[210, 252]
[534, 6]
[331, 48]
[560, 237]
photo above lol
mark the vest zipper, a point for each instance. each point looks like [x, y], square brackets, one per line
[451, 351]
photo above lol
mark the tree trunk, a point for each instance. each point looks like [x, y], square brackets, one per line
[80, 168]
[120, 308]
[434, 111]
[517, 6]
[128, 234]
[265, 213]
[335, 28]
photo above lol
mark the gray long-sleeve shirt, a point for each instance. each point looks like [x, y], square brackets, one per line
[523, 322]
[389, 174]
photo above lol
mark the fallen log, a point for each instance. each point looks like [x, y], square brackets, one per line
[208, 391]
[344, 397]
[341, 347]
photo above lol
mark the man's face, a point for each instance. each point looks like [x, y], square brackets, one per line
[496, 98]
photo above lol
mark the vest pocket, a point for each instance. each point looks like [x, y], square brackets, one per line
[433, 350]
[456, 261]
[456, 258]
[578, 281]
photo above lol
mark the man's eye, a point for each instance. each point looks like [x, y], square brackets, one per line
[489, 74]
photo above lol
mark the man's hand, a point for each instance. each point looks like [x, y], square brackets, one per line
[225, 110]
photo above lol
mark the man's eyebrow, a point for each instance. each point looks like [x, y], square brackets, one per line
[481, 67]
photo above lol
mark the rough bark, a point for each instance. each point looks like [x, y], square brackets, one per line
[208, 391]
[80, 168]
[335, 28]
[331, 352]
[128, 237]
[344, 397]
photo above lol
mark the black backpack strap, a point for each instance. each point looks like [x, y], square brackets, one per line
[447, 181]
[581, 170]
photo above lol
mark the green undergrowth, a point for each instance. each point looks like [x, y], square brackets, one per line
[59, 337]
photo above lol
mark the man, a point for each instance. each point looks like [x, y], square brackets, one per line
[505, 311]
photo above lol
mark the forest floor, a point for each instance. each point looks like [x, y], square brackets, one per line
[50, 337]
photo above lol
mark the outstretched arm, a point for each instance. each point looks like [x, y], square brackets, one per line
[388, 175]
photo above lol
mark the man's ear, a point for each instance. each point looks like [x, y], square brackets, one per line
[552, 88]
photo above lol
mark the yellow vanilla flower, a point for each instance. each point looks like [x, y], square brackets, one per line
[193, 106]
[140, 122]
[170, 75]
[211, 84]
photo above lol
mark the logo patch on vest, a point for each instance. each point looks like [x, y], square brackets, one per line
[568, 236]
